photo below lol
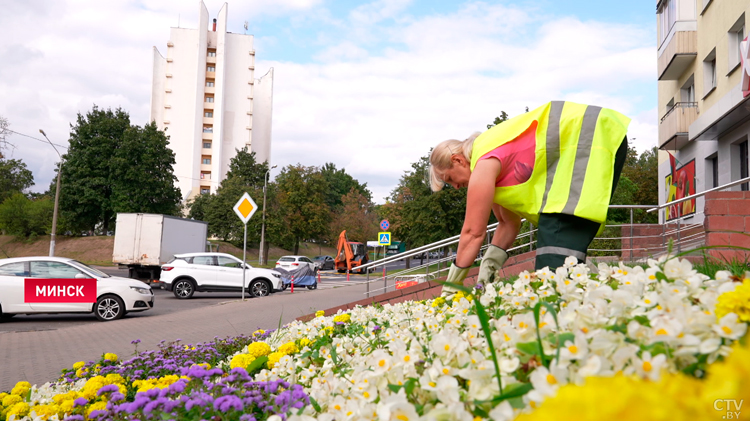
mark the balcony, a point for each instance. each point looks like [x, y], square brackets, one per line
[210, 75]
[678, 55]
[673, 128]
[208, 120]
[208, 105]
[210, 90]
[210, 59]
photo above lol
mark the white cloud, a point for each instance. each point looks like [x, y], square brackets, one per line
[374, 100]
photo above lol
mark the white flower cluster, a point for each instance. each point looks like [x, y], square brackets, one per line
[431, 360]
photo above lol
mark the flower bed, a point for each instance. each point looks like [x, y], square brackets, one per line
[655, 343]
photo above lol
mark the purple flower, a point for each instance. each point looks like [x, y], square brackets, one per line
[479, 286]
[97, 413]
[74, 418]
[227, 403]
[80, 402]
[108, 389]
[137, 341]
[117, 397]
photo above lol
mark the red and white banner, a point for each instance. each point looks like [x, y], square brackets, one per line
[38, 290]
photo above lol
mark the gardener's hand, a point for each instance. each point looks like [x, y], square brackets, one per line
[493, 260]
[456, 275]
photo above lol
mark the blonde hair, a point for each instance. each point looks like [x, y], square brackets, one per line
[440, 158]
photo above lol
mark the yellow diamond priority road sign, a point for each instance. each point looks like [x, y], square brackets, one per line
[245, 208]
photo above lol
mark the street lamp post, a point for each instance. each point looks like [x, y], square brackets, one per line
[262, 257]
[57, 199]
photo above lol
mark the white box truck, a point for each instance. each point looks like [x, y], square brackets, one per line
[145, 241]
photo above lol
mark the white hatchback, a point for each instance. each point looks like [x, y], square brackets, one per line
[295, 262]
[114, 296]
[190, 272]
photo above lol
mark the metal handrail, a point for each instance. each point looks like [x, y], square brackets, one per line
[693, 196]
[679, 105]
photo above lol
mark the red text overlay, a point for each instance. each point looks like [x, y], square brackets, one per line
[37, 290]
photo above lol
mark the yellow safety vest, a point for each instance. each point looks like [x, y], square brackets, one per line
[574, 160]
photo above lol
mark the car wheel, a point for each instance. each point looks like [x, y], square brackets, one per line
[109, 307]
[259, 288]
[313, 286]
[183, 289]
[5, 316]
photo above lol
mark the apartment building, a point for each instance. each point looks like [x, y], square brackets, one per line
[704, 114]
[206, 98]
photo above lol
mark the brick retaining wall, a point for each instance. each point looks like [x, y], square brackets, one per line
[727, 222]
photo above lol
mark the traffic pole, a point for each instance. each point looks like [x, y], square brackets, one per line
[292, 285]
[347, 275]
[385, 281]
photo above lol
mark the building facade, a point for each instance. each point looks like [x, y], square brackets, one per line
[704, 115]
[203, 97]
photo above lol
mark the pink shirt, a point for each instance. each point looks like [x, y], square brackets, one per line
[516, 158]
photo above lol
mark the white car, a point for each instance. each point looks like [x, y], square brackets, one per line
[190, 272]
[295, 262]
[114, 296]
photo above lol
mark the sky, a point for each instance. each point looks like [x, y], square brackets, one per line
[370, 86]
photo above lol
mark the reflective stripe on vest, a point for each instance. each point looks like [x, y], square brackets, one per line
[572, 141]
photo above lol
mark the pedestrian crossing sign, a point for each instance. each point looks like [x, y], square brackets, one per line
[384, 238]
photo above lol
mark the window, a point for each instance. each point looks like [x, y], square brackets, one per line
[208, 114]
[206, 145]
[212, 53]
[734, 37]
[709, 73]
[744, 165]
[229, 263]
[687, 93]
[204, 260]
[211, 68]
[13, 269]
[209, 84]
[209, 99]
[205, 191]
[714, 171]
[54, 270]
[667, 18]
[207, 161]
[207, 129]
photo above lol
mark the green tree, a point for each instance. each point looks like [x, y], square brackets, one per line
[26, 218]
[339, 184]
[113, 167]
[142, 167]
[245, 175]
[643, 172]
[14, 177]
[357, 216]
[419, 216]
[300, 203]
[499, 119]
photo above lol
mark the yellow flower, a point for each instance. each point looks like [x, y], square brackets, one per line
[81, 372]
[20, 410]
[21, 389]
[110, 357]
[259, 332]
[304, 342]
[241, 360]
[11, 400]
[258, 349]
[66, 407]
[2, 396]
[342, 318]
[273, 358]
[45, 411]
[737, 301]
[78, 365]
[96, 407]
[288, 348]
[730, 379]
[114, 378]
[320, 313]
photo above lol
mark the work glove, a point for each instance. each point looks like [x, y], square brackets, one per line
[456, 275]
[494, 258]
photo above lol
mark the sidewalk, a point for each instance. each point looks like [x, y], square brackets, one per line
[38, 356]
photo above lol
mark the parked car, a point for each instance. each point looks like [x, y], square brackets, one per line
[324, 262]
[294, 262]
[190, 272]
[114, 296]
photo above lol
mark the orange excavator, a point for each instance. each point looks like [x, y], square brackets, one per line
[349, 254]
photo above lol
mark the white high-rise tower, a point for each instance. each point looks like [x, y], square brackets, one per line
[206, 98]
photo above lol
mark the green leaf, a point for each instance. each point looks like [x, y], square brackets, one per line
[257, 364]
[620, 328]
[531, 348]
[661, 276]
[410, 385]
[517, 403]
[395, 387]
[643, 320]
[314, 404]
[562, 338]
[513, 391]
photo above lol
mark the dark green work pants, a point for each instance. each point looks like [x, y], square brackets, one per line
[561, 235]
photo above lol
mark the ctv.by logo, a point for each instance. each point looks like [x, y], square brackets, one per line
[728, 406]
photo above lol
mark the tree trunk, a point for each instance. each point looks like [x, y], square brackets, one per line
[296, 247]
